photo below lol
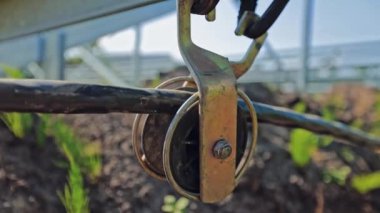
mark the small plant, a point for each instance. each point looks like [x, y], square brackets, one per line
[336, 175]
[18, 123]
[87, 156]
[300, 107]
[347, 154]
[11, 72]
[172, 205]
[155, 82]
[328, 115]
[74, 196]
[302, 142]
[82, 158]
[41, 129]
[366, 182]
[302, 146]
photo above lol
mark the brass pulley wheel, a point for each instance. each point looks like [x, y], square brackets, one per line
[148, 135]
[205, 149]
[167, 146]
[185, 144]
[181, 148]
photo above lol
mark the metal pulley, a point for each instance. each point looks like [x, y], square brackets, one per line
[167, 145]
[204, 148]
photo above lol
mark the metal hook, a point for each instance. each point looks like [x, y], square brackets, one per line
[215, 78]
[246, 62]
[216, 84]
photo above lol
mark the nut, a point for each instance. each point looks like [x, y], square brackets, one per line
[222, 149]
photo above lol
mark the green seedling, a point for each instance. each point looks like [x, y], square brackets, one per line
[172, 205]
[74, 196]
[366, 182]
[19, 124]
[336, 175]
[87, 156]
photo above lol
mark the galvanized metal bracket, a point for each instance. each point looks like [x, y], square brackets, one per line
[246, 62]
[215, 77]
[216, 83]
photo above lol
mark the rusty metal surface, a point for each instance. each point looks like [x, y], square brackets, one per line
[72, 98]
[217, 87]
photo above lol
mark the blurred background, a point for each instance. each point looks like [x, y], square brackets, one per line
[313, 45]
[321, 57]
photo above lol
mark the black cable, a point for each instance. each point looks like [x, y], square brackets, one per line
[260, 27]
[267, 19]
[247, 5]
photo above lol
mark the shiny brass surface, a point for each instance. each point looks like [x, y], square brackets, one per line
[240, 169]
[215, 78]
[138, 130]
[216, 84]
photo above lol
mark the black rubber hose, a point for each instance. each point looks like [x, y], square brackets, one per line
[267, 19]
[203, 7]
[72, 98]
[246, 5]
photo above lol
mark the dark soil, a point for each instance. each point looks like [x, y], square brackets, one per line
[30, 176]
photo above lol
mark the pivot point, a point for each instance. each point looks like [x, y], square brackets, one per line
[222, 149]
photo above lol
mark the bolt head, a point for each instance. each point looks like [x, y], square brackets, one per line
[222, 149]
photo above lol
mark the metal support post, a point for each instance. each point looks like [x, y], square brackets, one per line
[53, 61]
[137, 56]
[306, 44]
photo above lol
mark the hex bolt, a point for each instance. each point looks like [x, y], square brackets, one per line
[222, 149]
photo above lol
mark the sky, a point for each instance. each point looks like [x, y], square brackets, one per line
[334, 21]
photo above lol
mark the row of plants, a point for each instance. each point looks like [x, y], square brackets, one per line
[83, 159]
[359, 112]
